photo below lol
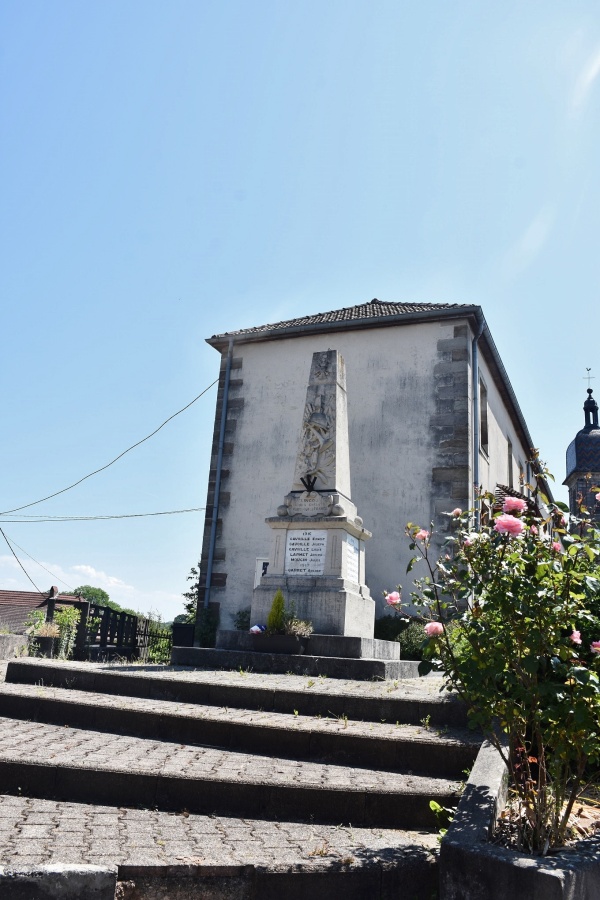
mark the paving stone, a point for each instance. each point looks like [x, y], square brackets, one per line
[267, 854]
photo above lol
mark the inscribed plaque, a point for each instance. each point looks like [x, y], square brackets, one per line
[352, 558]
[305, 552]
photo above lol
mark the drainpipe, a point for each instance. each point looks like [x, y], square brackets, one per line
[476, 416]
[215, 509]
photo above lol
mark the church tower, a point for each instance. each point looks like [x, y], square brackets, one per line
[583, 462]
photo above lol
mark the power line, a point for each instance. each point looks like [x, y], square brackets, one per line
[35, 520]
[41, 565]
[20, 563]
[102, 468]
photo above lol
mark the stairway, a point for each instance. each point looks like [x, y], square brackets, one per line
[228, 784]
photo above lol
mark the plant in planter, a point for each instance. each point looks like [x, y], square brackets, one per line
[44, 640]
[66, 620]
[285, 632]
[524, 648]
[56, 638]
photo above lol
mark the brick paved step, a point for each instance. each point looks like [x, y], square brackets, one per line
[383, 746]
[183, 856]
[54, 762]
[407, 702]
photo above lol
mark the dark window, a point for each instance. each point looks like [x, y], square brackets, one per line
[483, 417]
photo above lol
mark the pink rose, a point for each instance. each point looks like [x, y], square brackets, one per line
[467, 542]
[393, 599]
[533, 529]
[434, 629]
[508, 525]
[557, 547]
[457, 512]
[575, 636]
[597, 498]
[595, 646]
[421, 535]
[514, 504]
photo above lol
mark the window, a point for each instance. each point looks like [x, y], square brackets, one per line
[509, 460]
[483, 418]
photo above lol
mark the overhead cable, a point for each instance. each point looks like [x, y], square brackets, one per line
[35, 520]
[20, 563]
[7, 512]
[37, 562]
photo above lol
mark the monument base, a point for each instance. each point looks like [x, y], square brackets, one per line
[333, 605]
[280, 664]
[320, 645]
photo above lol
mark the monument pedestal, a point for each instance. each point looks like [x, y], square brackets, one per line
[318, 562]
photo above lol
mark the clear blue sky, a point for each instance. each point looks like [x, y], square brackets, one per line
[175, 169]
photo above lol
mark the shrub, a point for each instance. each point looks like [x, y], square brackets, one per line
[242, 619]
[66, 620]
[524, 653]
[206, 627]
[276, 617]
[411, 640]
[388, 628]
[282, 620]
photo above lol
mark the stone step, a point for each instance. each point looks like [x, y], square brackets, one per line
[420, 749]
[59, 762]
[299, 664]
[412, 701]
[184, 855]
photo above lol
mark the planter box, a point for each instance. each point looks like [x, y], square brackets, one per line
[46, 646]
[279, 643]
[183, 634]
[473, 869]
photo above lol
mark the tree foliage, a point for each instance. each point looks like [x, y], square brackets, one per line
[101, 598]
[191, 595]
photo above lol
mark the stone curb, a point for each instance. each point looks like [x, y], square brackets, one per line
[58, 882]
[414, 878]
[473, 869]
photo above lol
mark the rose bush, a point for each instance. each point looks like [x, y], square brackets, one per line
[524, 648]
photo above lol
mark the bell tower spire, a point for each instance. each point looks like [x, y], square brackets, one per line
[583, 461]
[590, 408]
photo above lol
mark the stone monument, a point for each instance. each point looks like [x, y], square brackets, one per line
[318, 556]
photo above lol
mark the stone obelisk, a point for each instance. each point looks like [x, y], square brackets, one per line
[317, 556]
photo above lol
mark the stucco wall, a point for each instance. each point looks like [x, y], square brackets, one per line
[399, 417]
[493, 466]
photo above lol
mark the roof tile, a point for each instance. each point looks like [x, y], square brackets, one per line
[376, 309]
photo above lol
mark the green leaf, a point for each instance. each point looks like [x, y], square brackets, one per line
[425, 667]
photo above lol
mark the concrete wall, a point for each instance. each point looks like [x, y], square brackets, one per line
[407, 392]
[409, 410]
[493, 466]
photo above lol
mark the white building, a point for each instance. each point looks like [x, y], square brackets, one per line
[431, 414]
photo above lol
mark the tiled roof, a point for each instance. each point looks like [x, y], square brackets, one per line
[16, 605]
[28, 598]
[376, 309]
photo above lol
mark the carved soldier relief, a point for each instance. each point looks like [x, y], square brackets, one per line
[318, 446]
[315, 466]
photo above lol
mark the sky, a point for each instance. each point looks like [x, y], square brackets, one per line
[174, 170]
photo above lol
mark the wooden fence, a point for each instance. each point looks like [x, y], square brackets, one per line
[104, 633]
